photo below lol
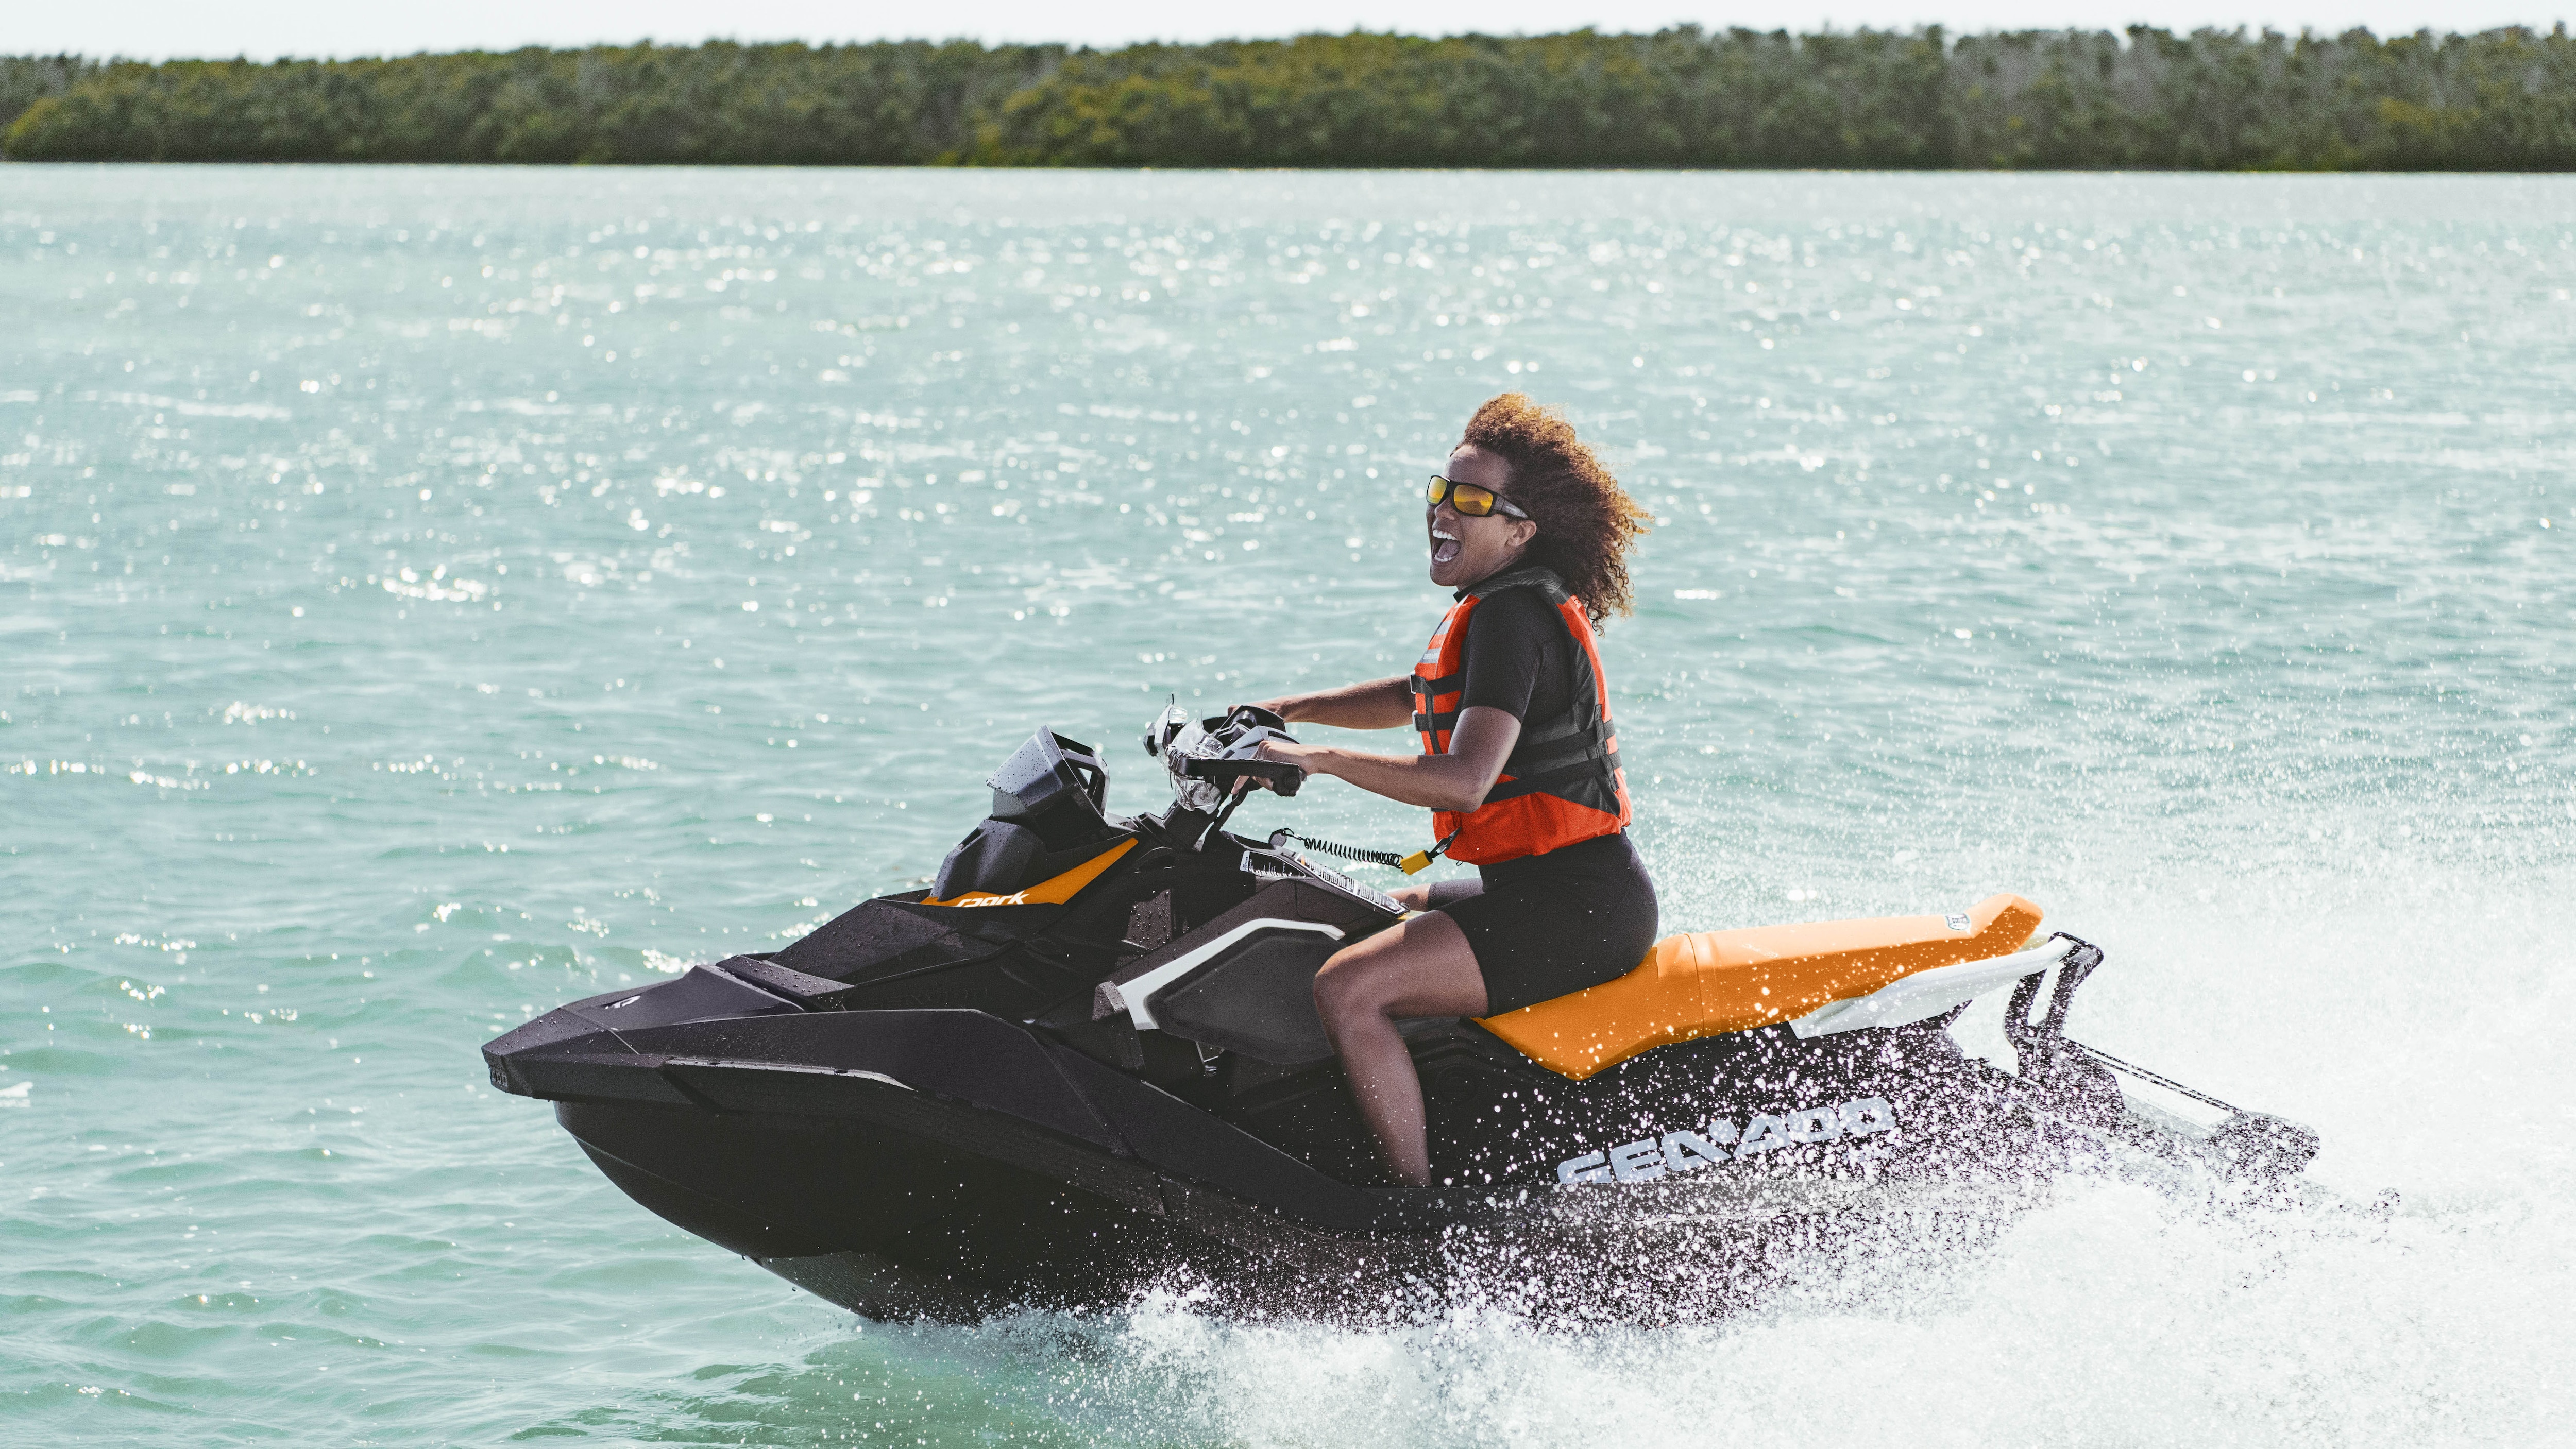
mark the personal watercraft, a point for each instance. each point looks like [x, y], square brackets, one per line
[1088, 1056]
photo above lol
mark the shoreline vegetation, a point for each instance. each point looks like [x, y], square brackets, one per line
[2501, 100]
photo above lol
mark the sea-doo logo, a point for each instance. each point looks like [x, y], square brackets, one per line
[1685, 1151]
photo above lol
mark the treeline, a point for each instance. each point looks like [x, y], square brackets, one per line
[27, 79]
[2226, 100]
[898, 104]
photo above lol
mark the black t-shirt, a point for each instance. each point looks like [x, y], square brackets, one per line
[1518, 658]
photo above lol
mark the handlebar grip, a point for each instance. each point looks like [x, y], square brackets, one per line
[1276, 775]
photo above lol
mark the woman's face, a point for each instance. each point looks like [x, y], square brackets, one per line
[1465, 550]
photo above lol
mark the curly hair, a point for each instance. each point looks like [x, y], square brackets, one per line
[1587, 523]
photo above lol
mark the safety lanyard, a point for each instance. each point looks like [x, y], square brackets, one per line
[1413, 864]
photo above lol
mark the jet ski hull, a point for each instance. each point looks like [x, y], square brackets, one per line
[948, 1163]
[888, 1219]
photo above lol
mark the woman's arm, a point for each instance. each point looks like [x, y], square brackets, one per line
[1458, 780]
[1379, 704]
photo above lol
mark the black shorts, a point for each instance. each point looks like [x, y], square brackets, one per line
[1547, 925]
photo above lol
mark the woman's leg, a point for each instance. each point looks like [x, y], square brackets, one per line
[1422, 967]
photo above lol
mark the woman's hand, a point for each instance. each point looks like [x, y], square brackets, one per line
[1288, 752]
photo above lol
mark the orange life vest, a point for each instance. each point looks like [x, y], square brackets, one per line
[1562, 783]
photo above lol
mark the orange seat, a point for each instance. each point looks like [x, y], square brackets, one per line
[1711, 982]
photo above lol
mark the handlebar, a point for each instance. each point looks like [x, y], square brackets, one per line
[1277, 775]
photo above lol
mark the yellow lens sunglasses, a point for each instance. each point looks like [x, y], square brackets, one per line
[1471, 500]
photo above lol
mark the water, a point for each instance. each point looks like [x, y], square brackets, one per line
[428, 596]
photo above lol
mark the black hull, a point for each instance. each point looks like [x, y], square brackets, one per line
[893, 1225]
[978, 1186]
[873, 1217]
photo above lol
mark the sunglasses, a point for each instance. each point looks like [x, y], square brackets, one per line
[1470, 500]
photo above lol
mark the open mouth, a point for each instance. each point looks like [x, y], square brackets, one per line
[1443, 547]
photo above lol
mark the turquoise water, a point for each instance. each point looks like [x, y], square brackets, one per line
[427, 596]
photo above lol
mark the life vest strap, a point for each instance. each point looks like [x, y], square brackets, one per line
[1561, 744]
[1588, 755]
[1570, 781]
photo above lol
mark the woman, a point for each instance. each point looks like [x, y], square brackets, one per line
[1518, 761]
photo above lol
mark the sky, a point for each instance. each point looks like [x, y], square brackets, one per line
[157, 29]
